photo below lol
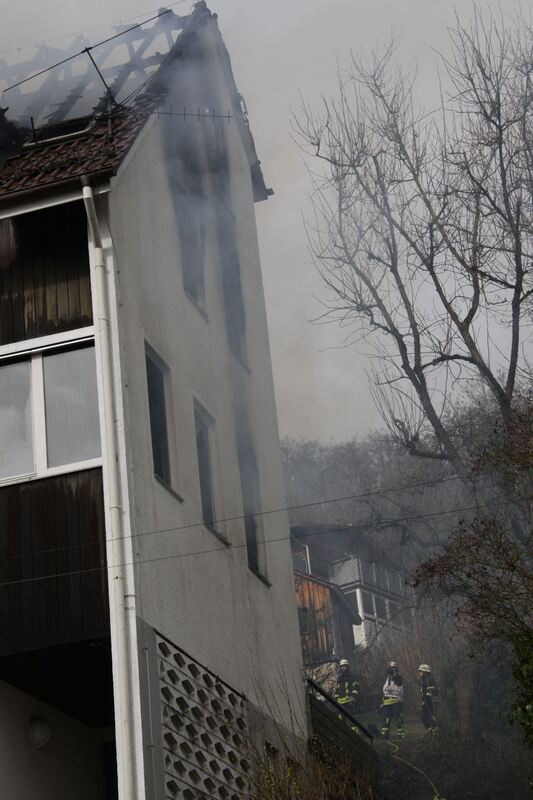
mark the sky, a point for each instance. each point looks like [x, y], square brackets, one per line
[281, 51]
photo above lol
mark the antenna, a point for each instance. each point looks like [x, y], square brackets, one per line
[95, 65]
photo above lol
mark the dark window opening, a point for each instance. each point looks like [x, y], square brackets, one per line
[229, 257]
[381, 608]
[204, 469]
[368, 604]
[367, 570]
[44, 288]
[191, 212]
[251, 504]
[158, 419]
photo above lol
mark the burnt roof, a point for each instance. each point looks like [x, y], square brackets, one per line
[67, 147]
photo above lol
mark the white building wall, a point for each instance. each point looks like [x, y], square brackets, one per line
[69, 766]
[190, 587]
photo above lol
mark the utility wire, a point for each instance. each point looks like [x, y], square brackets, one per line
[224, 548]
[281, 509]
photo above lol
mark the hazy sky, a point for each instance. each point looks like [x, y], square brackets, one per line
[279, 49]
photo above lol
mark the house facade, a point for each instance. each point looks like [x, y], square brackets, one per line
[147, 602]
[373, 586]
[326, 619]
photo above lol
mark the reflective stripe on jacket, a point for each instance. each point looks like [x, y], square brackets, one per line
[346, 690]
[393, 690]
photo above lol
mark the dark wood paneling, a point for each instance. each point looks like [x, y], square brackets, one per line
[44, 273]
[52, 562]
[317, 638]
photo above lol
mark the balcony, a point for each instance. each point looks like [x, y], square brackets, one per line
[54, 615]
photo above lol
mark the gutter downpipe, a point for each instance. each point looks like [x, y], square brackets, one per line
[124, 611]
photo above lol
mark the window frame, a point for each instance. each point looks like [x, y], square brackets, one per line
[32, 351]
[203, 416]
[150, 355]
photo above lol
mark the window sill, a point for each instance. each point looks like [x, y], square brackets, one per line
[259, 575]
[201, 310]
[168, 488]
[217, 534]
[52, 472]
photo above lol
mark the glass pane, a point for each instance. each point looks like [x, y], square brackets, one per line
[368, 604]
[381, 576]
[16, 448]
[381, 608]
[204, 471]
[395, 581]
[368, 572]
[158, 420]
[71, 405]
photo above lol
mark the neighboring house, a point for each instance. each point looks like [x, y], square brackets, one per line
[144, 613]
[372, 584]
[326, 620]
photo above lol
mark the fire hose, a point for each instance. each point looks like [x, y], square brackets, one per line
[395, 747]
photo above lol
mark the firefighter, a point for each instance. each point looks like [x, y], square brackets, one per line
[347, 688]
[392, 703]
[428, 692]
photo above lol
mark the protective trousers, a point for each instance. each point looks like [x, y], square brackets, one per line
[429, 719]
[392, 711]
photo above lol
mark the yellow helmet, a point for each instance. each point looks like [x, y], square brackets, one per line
[424, 668]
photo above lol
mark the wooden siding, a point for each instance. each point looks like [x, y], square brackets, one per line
[44, 273]
[52, 562]
[316, 621]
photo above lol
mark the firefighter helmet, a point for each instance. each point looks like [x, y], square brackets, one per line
[344, 662]
[424, 668]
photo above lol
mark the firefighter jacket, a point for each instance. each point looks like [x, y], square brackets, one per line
[347, 689]
[427, 686]
[393, 690]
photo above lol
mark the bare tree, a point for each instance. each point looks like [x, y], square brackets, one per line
[423, 227]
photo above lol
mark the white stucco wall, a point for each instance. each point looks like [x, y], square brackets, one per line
[69, 766]
[209, 603]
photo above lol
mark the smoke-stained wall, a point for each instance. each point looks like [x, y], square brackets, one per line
[194, 584]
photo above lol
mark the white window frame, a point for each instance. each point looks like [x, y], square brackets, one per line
[32, 350]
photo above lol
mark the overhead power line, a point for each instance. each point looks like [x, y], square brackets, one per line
[85, 31]
[279, 510]
[87, 50]
[230, 547]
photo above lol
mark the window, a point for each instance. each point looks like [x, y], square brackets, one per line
[381, 608]
[249, 472]
[202, 424]
[71, 406]
[367, 569]
[186, 155]
[395, 581]
[395, 615]
[368, 604]
[48, 412]
[191, 212]
[227, 240]
[155, 377]
[16, 441]
[381, 576]
[44, 289]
